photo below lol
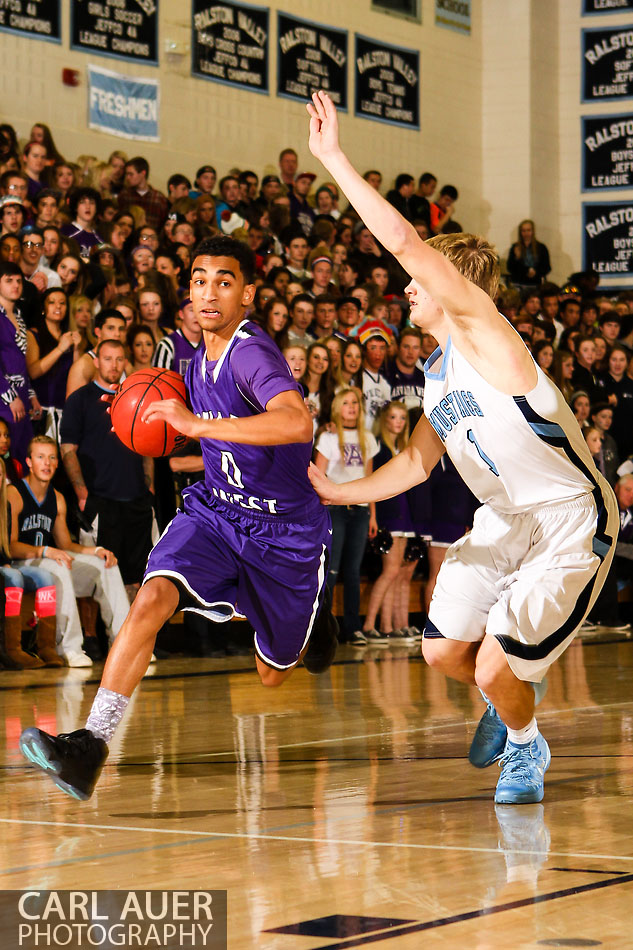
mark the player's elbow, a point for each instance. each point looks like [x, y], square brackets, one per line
[302, 429]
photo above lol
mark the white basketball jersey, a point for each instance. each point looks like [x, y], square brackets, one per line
[513, 452]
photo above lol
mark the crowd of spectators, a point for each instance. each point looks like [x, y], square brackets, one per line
[94, 276]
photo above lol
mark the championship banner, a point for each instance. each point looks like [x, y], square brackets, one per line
[606, 6]
[607, 152]
[311, 57]
[38, 19]
[608, 241]
[453, 15]
[122, 105]
[387, 83]
[607, 64]
[125, 29]
[230, 44]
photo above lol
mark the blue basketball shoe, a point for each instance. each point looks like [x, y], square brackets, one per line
[523, 769]
[489, 740]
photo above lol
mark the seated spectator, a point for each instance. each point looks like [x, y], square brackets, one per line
[528, 259]
[13, 583]
[84, 205]
[110, 324]
[141, 346]
[374, 342]
[301, 316]
[176, 350]
[139, 193]
[616, 388]
[113, 485]
[40, 533]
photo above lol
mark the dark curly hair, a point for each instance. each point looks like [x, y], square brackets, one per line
[224, 246]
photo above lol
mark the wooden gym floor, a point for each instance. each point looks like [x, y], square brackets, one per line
[339, 811]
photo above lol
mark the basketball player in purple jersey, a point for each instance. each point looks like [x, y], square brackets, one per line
[252, 537]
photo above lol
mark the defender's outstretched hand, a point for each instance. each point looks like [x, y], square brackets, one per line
[325, 489]
[323, 125]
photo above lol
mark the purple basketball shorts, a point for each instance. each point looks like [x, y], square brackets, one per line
[227, 561]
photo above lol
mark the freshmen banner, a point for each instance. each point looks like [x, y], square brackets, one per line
[122, 105]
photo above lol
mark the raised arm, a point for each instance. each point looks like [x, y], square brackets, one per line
[409, 468]
[430, 268]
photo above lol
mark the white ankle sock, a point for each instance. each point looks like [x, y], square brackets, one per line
[523, 736]
[106, 713]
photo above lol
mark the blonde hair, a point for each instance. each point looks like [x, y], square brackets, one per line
[474, 257]
[4, 521]
[75, 302]
[335, 414]
[386, 437]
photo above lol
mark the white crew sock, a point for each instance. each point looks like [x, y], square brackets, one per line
[523, 736]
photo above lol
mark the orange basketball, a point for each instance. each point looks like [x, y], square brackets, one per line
[134, 395]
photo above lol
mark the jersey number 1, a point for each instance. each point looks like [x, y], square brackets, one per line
[470, 435]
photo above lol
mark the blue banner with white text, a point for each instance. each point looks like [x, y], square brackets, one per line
[122, 105]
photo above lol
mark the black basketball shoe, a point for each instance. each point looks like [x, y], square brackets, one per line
[73, 760]
[323, 639]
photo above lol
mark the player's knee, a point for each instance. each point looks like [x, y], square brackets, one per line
[434, 652]
[489, 673]
[270, 677]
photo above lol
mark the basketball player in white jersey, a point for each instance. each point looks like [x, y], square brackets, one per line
[510, 595]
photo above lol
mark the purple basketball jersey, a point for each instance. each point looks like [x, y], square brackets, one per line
[271, 479]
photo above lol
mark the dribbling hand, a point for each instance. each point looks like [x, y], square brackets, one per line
[173, 412]
[323, 125]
